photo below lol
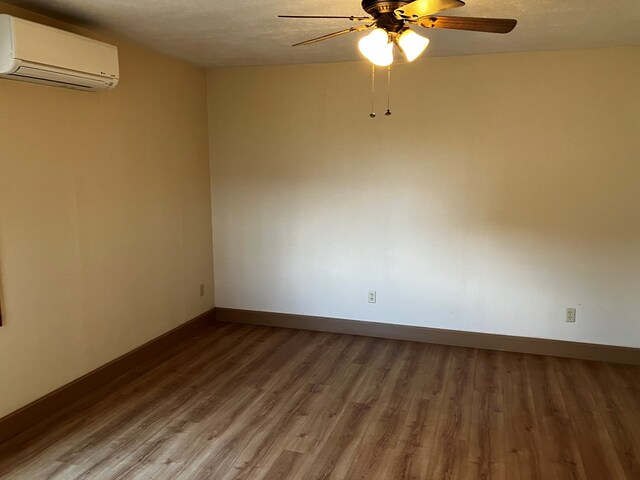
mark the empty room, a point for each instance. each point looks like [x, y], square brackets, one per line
[319, 239]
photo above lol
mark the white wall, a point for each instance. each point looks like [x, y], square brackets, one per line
[105, 219]
[503, 189]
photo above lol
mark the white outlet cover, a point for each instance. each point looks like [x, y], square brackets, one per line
[372, 296]
[571, 315]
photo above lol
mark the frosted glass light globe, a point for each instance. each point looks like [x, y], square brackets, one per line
[377, 48]
[412, 44]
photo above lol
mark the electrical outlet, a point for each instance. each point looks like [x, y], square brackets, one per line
[571, 315]
[372, 296]
[202, 289]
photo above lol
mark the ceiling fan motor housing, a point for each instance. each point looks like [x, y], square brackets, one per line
[382, 11]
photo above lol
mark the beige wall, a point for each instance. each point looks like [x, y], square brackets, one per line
[105, 219]
[503, 189]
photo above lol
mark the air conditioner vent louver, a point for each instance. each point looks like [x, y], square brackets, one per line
[36, 74]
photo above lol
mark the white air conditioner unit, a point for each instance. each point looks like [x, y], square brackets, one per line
[37, 53]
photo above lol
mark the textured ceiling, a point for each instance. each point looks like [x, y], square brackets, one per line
[246, 32]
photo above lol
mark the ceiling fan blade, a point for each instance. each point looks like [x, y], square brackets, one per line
[353, 18]
[334, 34]
[423, 8]
[490, 25]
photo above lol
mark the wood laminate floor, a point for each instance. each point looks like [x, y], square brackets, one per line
[246, 402]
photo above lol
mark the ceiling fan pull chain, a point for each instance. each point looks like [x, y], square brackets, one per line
[388, 91]
[373, 89]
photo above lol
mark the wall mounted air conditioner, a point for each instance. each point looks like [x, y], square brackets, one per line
[37, 53]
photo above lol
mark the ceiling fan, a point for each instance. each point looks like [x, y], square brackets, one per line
[389, 19]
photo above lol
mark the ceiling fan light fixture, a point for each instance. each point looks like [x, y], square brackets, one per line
[412, 44]
[377, 47]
